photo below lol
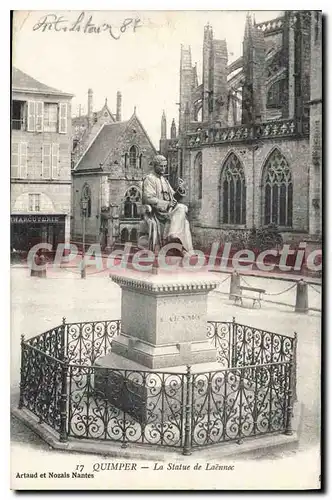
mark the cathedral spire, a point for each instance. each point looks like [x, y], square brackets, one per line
[173, 129]
[163, 134]
[248, 26]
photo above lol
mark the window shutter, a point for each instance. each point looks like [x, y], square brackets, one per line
[55, 160]
[63, 118]
[31, 116]
[46, 161]
[15, 160]
[23, 160]
[39, 116]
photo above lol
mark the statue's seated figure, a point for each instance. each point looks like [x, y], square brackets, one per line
[164, 217]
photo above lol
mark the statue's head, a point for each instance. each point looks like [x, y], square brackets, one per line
[159, 163]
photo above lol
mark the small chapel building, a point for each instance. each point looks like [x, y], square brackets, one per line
[108, 171]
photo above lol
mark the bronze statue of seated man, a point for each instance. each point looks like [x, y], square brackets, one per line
[165, 220]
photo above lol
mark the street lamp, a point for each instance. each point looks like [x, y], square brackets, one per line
[84, 208]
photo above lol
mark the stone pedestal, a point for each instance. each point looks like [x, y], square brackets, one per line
[164, 327]
[164, 318]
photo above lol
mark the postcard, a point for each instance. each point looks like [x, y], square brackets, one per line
[166, 250]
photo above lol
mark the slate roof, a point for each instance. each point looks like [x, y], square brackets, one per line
[103, 143]
[83, 119]
[22, 81]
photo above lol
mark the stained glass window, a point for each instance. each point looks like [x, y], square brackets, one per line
[278, 191]
[233, 191]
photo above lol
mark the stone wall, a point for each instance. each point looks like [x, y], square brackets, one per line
[208, 217]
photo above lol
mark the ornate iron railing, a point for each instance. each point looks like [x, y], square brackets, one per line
[241, 345]
[252, 393]
[126, 406]
[41, 385]
[88, 341]
[51, 342]
[237, 403]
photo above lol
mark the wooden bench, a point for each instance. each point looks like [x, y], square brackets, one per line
[256, 299]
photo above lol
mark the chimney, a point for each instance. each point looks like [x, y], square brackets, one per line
[118, 106]
[90, 107]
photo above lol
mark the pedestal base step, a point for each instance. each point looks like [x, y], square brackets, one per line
[164, 355]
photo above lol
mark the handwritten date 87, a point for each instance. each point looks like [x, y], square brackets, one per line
[84, 24]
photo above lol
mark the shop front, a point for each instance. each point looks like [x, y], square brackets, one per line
[29, 230]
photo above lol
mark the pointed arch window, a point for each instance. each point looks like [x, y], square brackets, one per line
[124, 235]
[133, 156]
[275, 94]
[233, 192]
[278, 191]
[131, 203]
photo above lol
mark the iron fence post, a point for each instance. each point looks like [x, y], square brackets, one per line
[20, 403]
[63, 401]
[187, 425]
[241, 390]
[63, 338]
[233, 361]
[289, 407]
[294, 368]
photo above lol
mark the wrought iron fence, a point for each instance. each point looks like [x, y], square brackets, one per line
[88, 341]
[237, 403]
[51, 342]
[126, 406]
[241, 345]
[252, 393]
[41, 385]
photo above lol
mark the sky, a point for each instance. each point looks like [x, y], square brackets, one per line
[143, 63]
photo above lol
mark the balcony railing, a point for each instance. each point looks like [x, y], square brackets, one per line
[273, 25]
[244, 133]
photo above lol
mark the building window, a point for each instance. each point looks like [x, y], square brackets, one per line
[133, 235]
[18, 108]
[275, 94]
[63, 117]
[50, 165]
[19, 160]
[50, 117]
[198, 176]
[124, 235]
[131, 202]
[133, 157]
[86, 195]
[233, 191]
[278, 191]
[35, 118]
[34, 202]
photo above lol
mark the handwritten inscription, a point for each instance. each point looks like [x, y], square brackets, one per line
[85, 24]
[180, 317]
